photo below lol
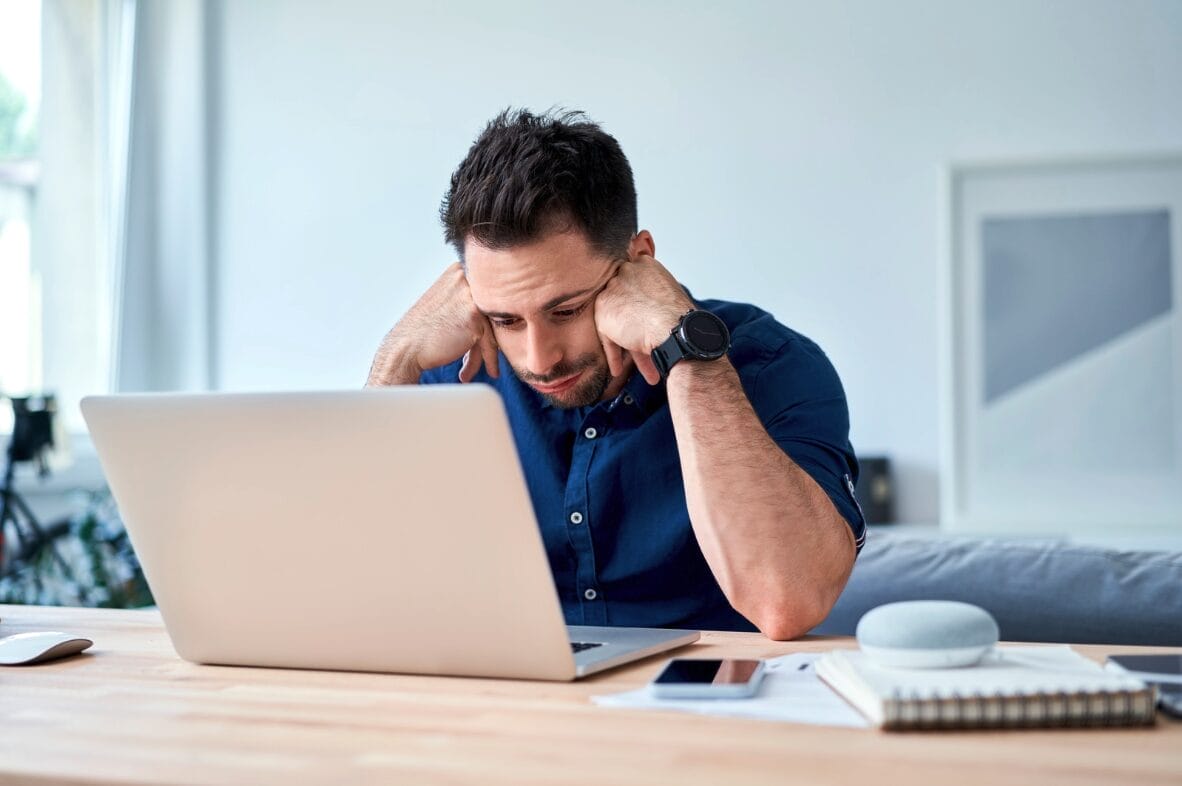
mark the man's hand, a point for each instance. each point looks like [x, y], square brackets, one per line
[441, 327]
[635, 313]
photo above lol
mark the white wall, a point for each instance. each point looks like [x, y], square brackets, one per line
[787, 153]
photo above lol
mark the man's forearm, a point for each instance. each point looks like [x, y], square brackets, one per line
[441, 327]
[393, 364]
[780, 550]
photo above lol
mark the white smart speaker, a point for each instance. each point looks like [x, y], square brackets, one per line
[927, 634]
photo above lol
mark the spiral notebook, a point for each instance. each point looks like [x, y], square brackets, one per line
[1012, 686]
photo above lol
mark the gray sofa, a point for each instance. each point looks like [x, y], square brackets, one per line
[1038, 590]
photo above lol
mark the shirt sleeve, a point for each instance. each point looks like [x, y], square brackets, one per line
[798, 396]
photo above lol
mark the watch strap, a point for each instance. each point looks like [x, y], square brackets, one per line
[669, 352]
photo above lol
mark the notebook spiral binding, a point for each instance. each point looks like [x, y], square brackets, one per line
[915, 710]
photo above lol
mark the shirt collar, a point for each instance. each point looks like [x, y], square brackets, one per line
[638, 396]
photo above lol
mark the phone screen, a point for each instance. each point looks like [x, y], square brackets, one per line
[1164, 671]
[708, 672]
[1150, 664]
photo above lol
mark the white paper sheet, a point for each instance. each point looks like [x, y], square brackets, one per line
[791, 691]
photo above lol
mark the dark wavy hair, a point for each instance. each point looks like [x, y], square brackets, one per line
[528, 175]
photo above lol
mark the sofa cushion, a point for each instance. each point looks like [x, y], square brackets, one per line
[1037, 590]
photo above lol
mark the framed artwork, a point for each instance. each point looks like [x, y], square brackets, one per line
[1063, 347]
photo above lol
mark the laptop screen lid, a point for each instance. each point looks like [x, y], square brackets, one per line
[374, 530]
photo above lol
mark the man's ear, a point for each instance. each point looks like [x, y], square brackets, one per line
[642, 244]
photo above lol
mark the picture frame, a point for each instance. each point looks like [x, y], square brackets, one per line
[1062, 347]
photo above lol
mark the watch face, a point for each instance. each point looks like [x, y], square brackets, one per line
[705, 333]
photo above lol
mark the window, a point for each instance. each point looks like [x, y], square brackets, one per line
[20, 99]
[57, 61]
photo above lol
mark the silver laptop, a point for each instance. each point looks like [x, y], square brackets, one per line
[374, 530]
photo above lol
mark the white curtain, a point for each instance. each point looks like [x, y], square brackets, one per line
[162, 284]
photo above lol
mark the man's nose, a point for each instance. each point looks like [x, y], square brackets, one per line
[542, 351]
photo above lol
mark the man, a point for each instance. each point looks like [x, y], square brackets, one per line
[698, 480]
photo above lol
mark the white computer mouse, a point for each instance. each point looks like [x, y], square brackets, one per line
[22, 649]
[927, 634]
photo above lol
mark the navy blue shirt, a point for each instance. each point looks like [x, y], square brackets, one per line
[606, 479]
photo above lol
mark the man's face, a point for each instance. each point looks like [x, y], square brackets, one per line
[540, 300]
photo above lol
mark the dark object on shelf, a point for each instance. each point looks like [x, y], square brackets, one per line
[32, 430]
[876, 489]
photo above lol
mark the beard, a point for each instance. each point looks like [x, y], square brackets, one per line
[588, 391]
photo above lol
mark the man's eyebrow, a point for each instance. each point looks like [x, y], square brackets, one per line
[549, 304]
[563, 298]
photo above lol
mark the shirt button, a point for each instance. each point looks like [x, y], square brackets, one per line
[590, 594]
[576, 518]
[590, 433]
[628, 399]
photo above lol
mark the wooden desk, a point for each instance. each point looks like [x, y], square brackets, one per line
[132, 712]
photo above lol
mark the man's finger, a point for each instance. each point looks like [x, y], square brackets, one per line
[615, 355]
[488, 348]
[472, 362]
[646, 367]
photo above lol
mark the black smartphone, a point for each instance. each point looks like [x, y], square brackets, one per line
[729, 678]
[1164, 671]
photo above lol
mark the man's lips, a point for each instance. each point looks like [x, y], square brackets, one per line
[559, 387]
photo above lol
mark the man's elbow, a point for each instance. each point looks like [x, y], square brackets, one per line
[791, 618]
[784, 610]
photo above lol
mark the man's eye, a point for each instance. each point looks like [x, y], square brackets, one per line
[568, 313]
[504, 323]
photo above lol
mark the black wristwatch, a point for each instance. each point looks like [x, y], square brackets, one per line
[698, 336]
